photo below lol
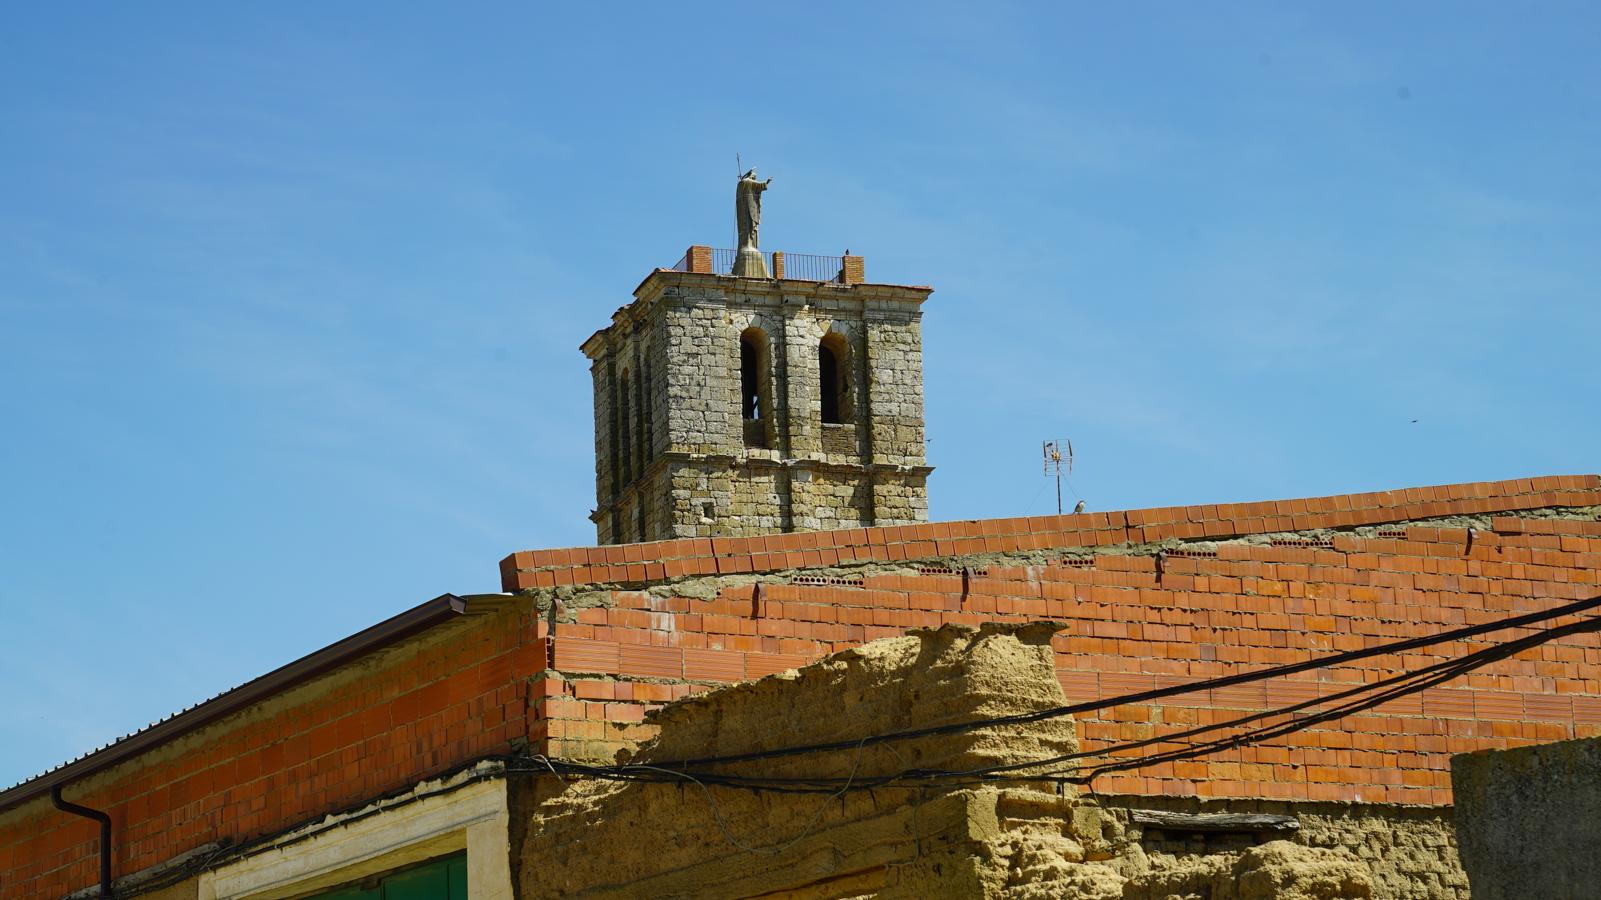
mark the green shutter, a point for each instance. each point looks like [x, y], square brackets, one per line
[442, 879]
[458, 878]
[425, 883]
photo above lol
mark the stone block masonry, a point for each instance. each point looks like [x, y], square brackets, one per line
[736, 406]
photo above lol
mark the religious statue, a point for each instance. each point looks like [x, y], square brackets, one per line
[748, 207]
[748, 213]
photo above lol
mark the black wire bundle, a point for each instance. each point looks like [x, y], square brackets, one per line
[1346, 702]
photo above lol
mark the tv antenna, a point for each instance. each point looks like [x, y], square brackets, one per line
[1055, 460]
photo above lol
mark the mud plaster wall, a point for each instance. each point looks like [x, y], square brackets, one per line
[604, 839]
[674, 841]
[1529, 820]
[1410, 850]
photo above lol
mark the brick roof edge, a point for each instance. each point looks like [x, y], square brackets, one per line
[659, 560]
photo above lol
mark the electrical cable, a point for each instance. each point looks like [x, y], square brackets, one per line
[1157, 693]
[1446, 673]
[1441, 671]
[1348, 701]
[1356, 699]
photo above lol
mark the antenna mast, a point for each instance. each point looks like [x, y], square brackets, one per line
[1054, 461]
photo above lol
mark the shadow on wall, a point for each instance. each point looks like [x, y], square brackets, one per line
[1528, 821]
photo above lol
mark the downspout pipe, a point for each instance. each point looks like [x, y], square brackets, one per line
[105, 835]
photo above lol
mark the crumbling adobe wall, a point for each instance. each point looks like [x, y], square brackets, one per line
[1529, 820]
[1029, 841]
[674, 838]
[1410, 850]
[924, 679]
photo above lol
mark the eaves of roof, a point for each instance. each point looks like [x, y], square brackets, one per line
[420, 618]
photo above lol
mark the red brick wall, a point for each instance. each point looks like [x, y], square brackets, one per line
[419, 712]
[1253, 605]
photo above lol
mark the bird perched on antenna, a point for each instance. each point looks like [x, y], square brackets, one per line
[1078, 507]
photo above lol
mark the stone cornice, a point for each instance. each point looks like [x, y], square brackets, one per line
[729, 460]
[906, 300]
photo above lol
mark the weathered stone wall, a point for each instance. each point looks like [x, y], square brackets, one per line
[627, 374]
[1529, 820]
[829, 499]
[605, 480]
[895, 370]
[701, 333]
[707, 494]
[899, 497]
[667, 380]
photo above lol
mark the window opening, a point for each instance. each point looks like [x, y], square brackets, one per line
[755, 390]
[749, 367]
[626, 442]
[833, 368]
[647, 448]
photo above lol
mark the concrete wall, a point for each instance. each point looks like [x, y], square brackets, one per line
[1528, 820]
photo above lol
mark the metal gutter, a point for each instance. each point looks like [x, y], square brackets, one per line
[390, 631]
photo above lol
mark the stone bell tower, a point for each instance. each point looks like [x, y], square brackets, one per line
[732, 405]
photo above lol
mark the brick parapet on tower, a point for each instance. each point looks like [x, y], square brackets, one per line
[699, 259]
[853, 270]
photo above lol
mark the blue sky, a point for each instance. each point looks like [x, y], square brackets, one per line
[291, 296]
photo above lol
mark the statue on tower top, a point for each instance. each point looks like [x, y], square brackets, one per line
[748, 207]
[748, 213]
